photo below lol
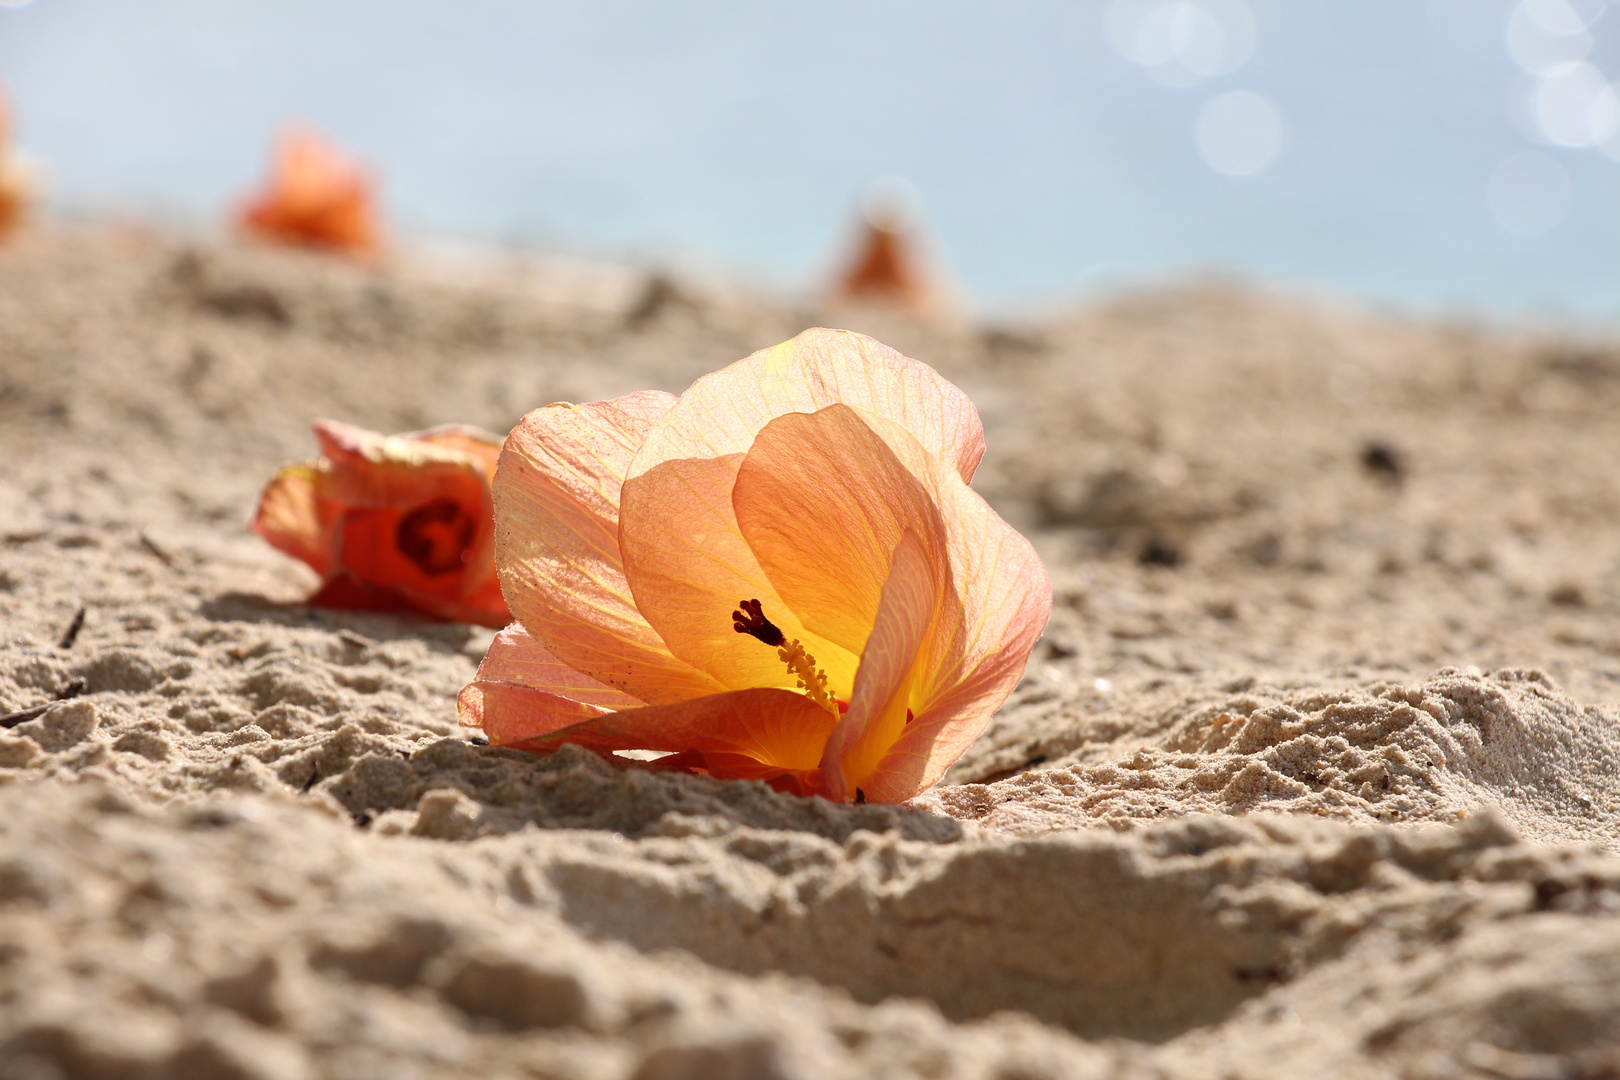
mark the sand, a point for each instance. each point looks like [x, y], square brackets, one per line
[1312, 774]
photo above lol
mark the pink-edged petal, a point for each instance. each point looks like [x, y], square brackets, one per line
[689, 566]
[721, 413]
[879, 705]
[292, 518]
[522, 691]
[516, 657]
[823, 501]
[557, 492]
[513, 715]
[780, 729]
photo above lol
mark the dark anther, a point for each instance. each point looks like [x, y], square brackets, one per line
[751, 620]
[436, 536]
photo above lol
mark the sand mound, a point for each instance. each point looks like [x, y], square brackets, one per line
[1312, 772]
[1438, 751]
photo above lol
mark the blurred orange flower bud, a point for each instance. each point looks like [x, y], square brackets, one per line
[392, 522]
[16, 182]
[888, 267]
[317, 197]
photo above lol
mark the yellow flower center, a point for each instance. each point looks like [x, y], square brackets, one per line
[750, 619]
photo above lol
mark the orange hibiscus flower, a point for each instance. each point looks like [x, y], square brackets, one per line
[317, 197]
[781, 575]
[392, 522]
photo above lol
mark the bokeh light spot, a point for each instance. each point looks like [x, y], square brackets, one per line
[1182, 42]
[1536, 47]
[1574, 106]
[1239, 133]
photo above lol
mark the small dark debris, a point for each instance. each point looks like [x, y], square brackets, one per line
[22, 716]
[1004, 774]
[659, 295]
[1567, 595]
[363, 819]
[1383, 460]
[478, 740]
[1270, 973]
[1548, 890]
[71, 634]
[245, 302]
[314, 775]
[157, 552]
[1058, 649]
[860, 796]
[1158, 552]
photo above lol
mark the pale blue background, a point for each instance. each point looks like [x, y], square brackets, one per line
[741, 133]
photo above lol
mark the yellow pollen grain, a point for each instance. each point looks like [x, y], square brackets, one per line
[812, 680]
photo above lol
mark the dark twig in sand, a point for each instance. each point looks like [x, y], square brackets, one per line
[71, 634]
[22, 716]
[157, 552]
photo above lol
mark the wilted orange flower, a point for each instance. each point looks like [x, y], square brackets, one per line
[317, 197]
[392, 522]
[15, 187]
[781, 575]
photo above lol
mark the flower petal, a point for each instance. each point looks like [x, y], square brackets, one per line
[722, 412]
[516, 657]
[823, 502]
[689, 567]
[685, 556]
[292, 518]
[879, 704]
[474, 443]
[781, 729]
[1007, 599]
[523, 692]
[557, 545]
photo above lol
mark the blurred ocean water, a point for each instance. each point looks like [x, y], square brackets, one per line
[1420, 153]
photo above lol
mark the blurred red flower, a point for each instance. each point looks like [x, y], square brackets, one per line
[393, 522]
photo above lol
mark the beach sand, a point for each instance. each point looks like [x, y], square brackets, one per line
[1313, 774]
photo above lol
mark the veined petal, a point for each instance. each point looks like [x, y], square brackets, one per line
[780, 729]
[1006, 600]
[293, 519]
[557, 492]
[721, 413]
[823, 501]
[879, 703]
[515, 715]
[516, 657]
[523, 692]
